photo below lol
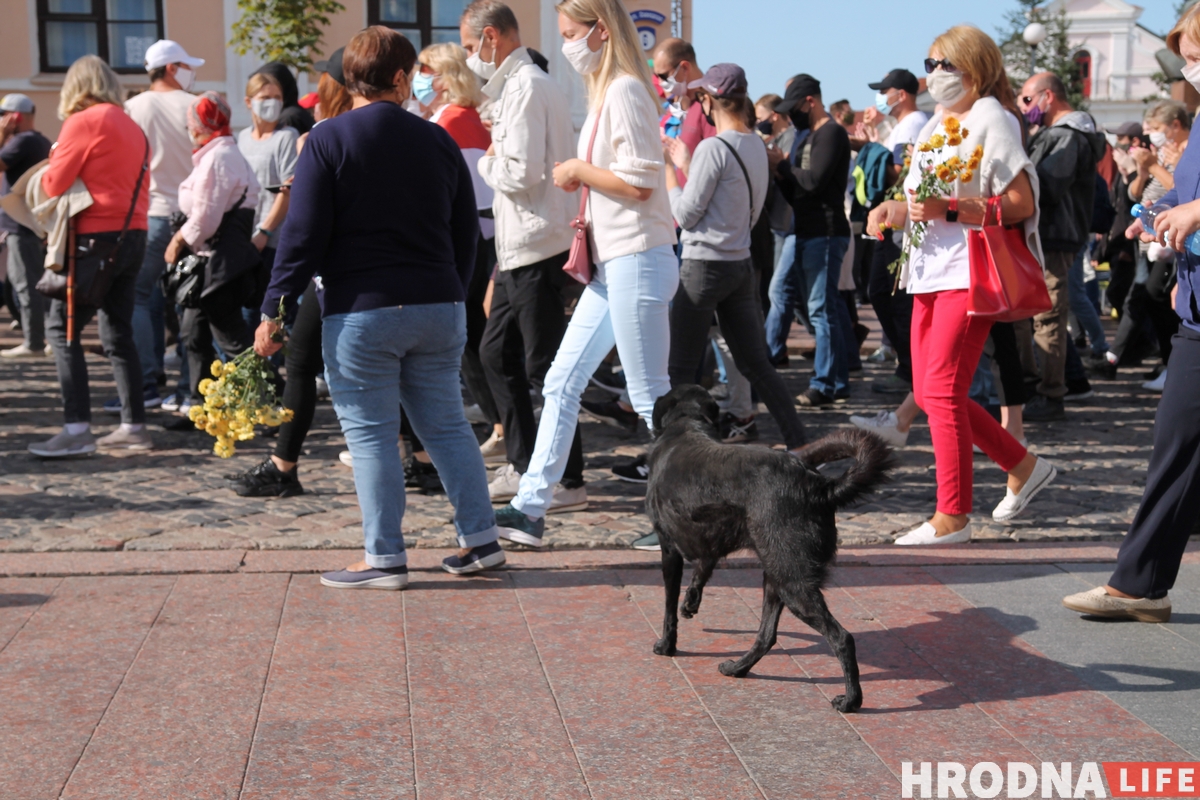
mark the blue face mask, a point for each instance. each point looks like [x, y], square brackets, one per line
[422, 87]
[881, 104]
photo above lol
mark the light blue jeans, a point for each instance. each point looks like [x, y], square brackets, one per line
[626, 304]
[148, 305]
[378, 360]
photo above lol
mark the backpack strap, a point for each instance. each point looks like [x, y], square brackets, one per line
[745, 174]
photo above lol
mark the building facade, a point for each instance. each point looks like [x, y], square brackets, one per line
[43, 37]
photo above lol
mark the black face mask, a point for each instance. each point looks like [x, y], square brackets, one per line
[799, 119]
[766, 128]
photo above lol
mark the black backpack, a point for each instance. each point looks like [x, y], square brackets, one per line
[1103, 213]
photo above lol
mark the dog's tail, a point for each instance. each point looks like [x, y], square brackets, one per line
[873, 460]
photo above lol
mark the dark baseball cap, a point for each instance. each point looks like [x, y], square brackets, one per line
[800, 87]
[721, 80]
[898, 79]
[1127, 129]
[333, 65]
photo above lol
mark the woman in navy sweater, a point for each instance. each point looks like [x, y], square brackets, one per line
[1152, 551]
[383, 211]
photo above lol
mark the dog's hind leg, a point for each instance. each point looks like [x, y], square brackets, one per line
[810, 607]
[672, 568]
[691, 600]
[771, 609]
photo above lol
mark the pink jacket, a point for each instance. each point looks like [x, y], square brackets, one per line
[219, 176]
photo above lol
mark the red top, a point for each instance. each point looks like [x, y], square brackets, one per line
[465, 127]
[103, 147]
[692, 132]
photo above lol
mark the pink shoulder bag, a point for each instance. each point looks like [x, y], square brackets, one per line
[579, 263]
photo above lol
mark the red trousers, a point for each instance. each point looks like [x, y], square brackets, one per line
[946, 346]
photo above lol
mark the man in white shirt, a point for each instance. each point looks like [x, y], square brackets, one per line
[161, 113]
[895, 95]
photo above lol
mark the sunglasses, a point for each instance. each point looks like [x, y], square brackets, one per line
[1029, 100]
[933, 63]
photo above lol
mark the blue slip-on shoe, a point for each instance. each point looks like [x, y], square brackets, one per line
[477, 559]
[389, 578]
[516, 527]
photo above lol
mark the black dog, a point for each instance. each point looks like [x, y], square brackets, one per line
[707, 499]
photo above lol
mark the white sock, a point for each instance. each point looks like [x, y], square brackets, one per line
[76, 428]
[129, 427]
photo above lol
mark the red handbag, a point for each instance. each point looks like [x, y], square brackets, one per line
[579, 263]
[1007, 282]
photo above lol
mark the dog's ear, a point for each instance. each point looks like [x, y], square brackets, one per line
[711, 410]
[661, 406]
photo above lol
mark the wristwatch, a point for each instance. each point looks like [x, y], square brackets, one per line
[952, 210]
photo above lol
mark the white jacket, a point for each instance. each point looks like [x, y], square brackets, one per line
[46, 216]
[531, 130]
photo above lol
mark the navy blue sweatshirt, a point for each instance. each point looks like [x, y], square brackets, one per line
[383, 209]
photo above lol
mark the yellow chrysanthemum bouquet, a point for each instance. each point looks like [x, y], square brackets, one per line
[937, 177]
[240, 394]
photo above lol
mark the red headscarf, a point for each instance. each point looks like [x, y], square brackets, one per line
[208, 118]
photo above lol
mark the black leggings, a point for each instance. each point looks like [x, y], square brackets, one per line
[472, 366]
[304, 365]
[1006, 360]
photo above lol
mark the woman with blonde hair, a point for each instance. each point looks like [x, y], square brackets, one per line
[967, 80]
[632, 237]
[104, 148]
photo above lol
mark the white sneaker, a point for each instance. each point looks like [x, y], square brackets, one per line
[21, 351]
[494, 450]
[1158, 384]
[474, 415]
[1013, 504]
[884, 425]
[565, 499]
[882, 355]
[346, 458]
[505, 485]
[1099, 603]
[927, 534]
[64, 444]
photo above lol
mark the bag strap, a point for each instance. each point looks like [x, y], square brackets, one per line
[993, 207]
[137, 191]
[583, 196]
[745, 174]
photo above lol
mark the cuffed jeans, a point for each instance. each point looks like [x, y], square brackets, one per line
[116, 334]
[820, 260]
[26, 257]
[1082, 308]
[378, 360]
[148, 304]
[627, 305]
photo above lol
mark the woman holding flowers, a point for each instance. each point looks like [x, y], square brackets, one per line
[967, 154]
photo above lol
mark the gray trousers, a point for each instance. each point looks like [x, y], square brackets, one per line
[730, 289]
[116, 334]
[26, 256]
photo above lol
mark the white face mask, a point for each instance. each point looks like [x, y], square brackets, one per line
[1157, 138]
[185, 78]
[583, 58]
[484, 69]
[267, 110]
[1191, 74]
[945, 88]
[671, 87]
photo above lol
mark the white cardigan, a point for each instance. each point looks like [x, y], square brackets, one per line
[628, 144]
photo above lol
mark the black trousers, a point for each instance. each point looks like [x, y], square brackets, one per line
[894, 311]
[304, 364]
[1149, 559]
[116, 334]
[219, 318]
[525, 327]
[1006, 363]
[730, 288]
[473, 372]
[1148, 303]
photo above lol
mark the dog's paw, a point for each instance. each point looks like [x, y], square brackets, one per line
[664, 648]
[840, 703]
[687, 611]
[729, 669]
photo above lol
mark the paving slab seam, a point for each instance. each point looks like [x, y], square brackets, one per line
[262, 695]
[700, 699]
[21, 627]
[100, 720]
[412, 729]
[553, 694]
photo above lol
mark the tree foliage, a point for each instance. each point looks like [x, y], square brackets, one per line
[1053, 55]
[288, 31]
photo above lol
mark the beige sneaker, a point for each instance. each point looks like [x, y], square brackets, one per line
[565, 499]
[122, 439]
[494, 450]
[1099, 603]
[20, 351]
[505, 485]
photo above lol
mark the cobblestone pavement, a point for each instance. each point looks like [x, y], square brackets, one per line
[175, 498]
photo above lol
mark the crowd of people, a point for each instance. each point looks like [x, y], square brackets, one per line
[436, 222]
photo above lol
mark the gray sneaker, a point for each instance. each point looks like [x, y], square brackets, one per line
[122, 439]
[64, 444]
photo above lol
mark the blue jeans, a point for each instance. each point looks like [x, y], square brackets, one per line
[783, 294]
[378, 360]
[627, 305]
[148, 305]
[1082, 308]
[819, 260]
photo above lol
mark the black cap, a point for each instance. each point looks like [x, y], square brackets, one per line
[800, 87]
[333, 65]
[898, 79]
[1127, 129]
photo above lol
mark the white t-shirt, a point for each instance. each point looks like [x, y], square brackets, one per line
[163, 118]
[906, 131]
[942, 262]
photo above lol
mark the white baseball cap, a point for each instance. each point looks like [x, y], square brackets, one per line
[16, 102]
[165, 51]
